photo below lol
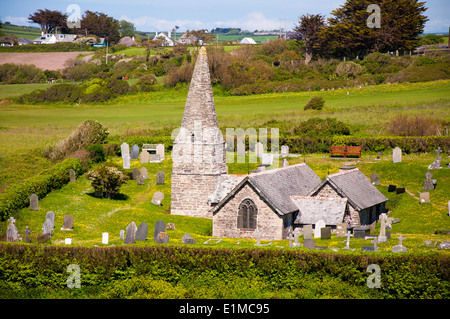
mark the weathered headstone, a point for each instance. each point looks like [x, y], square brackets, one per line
[257, 234]
[341, 229]
[72, 175]
[187, 239]
[160, 178]
[157, 198]
[131, 233]
[396, 155]
[34, 202]
[307, 232]
[154, 158]
[382, 238]
[400, 248]
[392, 188]
[122, 234]
[136, 172]
[437, 163]
[317, 228]
[140, 180]
[162, 238]
[347, 245]
[325, 233]
[134, 154]
[160, 151]
[126, 161]
[125, 150]
[375, 179]
[68, 222]
[47, 228]
[309, 243]
[424, 197]
[105, 238]
[51, 216]
[297, 232]
[27, 232]
[145, 157]
[160, 227]
[144, 172]
[142, 232]
[284, 151]
[428, 184]
[12, 234]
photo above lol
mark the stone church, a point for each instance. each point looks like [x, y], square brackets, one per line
[274, 202]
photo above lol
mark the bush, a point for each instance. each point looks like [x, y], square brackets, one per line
[116, 86]
[322, 127]
[17, 196]
[349, 69]
[97, 153]
[418, 125]
[11, 73]
[107, 179]
[146, 83]
[316, 103]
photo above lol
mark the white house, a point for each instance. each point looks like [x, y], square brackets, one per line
[168, 41]
[47, 38]
[247, 41]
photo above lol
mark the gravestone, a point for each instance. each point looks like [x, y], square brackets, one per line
[309, 243]
[51, 216]
[157, 198]
[361, 231]
[125, 150]
[72, 175]
[391, 188]
[375, 179]
[240, 149]
[27, 232]
[142, 232]
[122, 234]
[136, 173]
[317, 228]
[12, 234]
[400, 248]
[259, 149]
[371, 248]
[428, 184]
[307, 232]
[396, 155]
[257, 234]
[284, 151]
[144, 172]
[170, 226]
[126, 161]
[140, 180]
[382, 238]
[131, 233]
[267, 159]
[399, 190]
[437, 163]
[285, 163]
[145, 157]
[347, 245]
[290, 238]
[297, 232]
[34, 202]
[154, 158]
[67, 241]
[160, 227]
[187, 239]
[47, 228]
[105, 238]
[325, 233]
[160, 151]
[424, 197]
[134, 154]
[341, 229]
[68, 222]
[162, 238]
[160, 178]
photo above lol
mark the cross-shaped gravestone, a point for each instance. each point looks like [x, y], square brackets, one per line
[347, 245]
[290, 238]
[374, 241]
[438, 153]
[296, 235]
[400, 248]
[400, 239]
[258, 237]
[27, 232]
[428, 184]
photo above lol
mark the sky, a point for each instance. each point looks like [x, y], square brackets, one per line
[164, 15]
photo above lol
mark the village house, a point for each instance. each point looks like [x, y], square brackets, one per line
[48, 38]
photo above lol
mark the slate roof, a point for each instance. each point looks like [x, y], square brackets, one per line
[224, 186]
[277, 185]
[312, 209]
[356, 187]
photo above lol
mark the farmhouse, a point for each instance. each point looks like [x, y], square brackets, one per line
[48, 38]
[167, 39]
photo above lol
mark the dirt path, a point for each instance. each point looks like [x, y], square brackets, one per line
[43, 60]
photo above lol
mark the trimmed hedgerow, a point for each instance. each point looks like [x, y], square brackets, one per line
[17, 196]
[423, 275]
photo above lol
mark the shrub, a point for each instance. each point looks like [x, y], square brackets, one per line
[107, 179]
[11, 73]
[179, 74]
[418, 125]
[97, 153]
[146, 83]
[316, 103]
[349, 69]
[117, 86]
[322, 127]
[78, 70]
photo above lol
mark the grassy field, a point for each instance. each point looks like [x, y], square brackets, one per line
[21, 32]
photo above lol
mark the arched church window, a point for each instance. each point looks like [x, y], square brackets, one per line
[247, 214]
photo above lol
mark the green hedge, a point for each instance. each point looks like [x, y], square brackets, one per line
[17, 196]
[423, 275]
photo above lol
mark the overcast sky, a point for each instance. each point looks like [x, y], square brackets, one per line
[162, 15]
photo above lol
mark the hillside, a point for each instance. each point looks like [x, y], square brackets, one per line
[21, 31]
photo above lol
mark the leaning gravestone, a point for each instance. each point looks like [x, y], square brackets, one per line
[307, 232]
[142, 232]
[145, 157]
[341, 229]
[51, 217]
[157, 198]
[12, 234]
[160, 227]
[317, 228]
[160, 178]
[424, 197]
[136, 173]
[375, 179]
[72, 175]
[134, 154]
[68, 222]
[144, 172]
[131, 233]
[428, 184]
[396, 155]
[34, 202]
